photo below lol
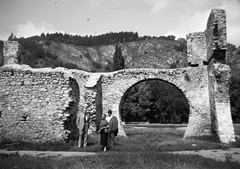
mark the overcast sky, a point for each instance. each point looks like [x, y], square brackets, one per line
[93, 17]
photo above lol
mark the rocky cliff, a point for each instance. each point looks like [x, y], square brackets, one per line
[154, 53]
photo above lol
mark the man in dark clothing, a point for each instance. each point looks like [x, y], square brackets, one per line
[112, 129]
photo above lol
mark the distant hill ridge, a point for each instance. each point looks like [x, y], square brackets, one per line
[95, 53]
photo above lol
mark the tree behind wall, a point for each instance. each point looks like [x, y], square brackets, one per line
[118, 60]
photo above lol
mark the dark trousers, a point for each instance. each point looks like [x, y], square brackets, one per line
[82, 141]
[111, 139]
[104, 139]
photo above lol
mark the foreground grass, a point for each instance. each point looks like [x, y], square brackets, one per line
[144, 148]
[119, 160]
[159, 138]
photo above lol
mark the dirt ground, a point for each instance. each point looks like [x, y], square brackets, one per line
[232, 154]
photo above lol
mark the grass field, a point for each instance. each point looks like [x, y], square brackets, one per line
[145, 147]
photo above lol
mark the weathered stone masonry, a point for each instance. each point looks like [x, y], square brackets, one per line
[42, 104]
[33, 104]
[219, 75]
[194, 87]
[212, 45]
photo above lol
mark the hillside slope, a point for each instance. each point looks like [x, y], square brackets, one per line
[154, 53]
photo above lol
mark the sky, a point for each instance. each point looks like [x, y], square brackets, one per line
[25, 18]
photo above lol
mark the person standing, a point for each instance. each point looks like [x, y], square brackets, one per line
[83, 125]
[112, 129]
[103, 133]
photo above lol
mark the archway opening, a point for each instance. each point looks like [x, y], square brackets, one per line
[154, 101]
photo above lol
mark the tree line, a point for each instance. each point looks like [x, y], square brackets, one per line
[93, 40]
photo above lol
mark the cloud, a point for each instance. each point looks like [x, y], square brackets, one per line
[157, 5]
[31, 29]
[3, 35]
[196, 23]
[196, 20]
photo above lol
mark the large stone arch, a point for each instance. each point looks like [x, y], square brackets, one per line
[193, 82]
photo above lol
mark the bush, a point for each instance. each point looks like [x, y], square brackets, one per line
[97, 65]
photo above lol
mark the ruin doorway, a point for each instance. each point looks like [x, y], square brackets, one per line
[70, 124]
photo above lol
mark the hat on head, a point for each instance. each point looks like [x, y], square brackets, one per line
[109, 111]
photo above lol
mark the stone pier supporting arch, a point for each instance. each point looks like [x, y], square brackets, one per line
[191, 81]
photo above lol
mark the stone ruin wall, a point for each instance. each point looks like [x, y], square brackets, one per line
[34, 104]
[10, 52]
[196, 49]
[209, 48]
[192, 81]
[219, 75]
[204, 83]
[216, 34]
[90, 100]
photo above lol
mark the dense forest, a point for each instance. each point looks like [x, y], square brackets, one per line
[233, 59]
[154, 101]
[141, 102]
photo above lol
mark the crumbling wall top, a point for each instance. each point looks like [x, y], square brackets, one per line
[216, 34]
[10, 52]
[196, 48]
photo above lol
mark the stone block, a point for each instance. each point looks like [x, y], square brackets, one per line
[196, 49]
[10, 52]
